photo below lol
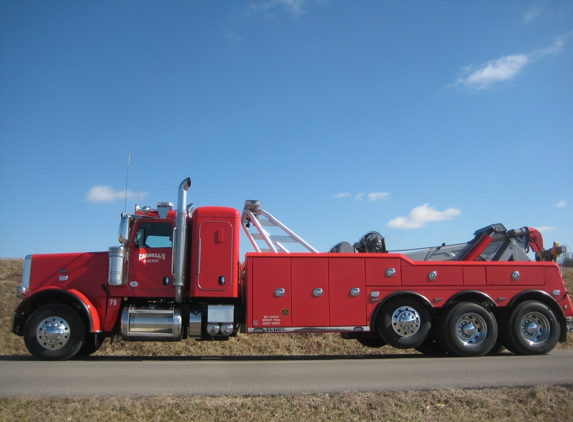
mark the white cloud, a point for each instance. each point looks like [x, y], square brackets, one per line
[269, 7]
[545, 228]
[530, 14]
[486, 74]
[561, 203]
[342, 195]
[372, 196]
[233, 38]
[505, 68]
[102, 193]
[421, 215]
[554, 48]
[376, 196]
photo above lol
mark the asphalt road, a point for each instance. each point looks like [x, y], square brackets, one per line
[116, 376]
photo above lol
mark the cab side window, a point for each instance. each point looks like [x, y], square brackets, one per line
[154, 235]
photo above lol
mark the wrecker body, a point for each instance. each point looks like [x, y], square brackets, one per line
[178, 274]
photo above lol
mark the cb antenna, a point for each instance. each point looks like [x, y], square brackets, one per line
[126, 180]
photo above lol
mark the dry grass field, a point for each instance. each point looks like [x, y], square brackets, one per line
[492, 404]
[543, 403]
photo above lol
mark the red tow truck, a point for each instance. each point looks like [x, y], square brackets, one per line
[178, 274]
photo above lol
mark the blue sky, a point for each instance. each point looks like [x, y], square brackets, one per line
[424, 121]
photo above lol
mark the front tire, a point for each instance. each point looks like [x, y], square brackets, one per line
[54, 332]
[467, 329]
[531, 329]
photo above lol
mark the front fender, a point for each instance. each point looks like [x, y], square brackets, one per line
[54, 294]
[412, 293]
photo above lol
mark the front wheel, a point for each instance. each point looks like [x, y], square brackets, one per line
[404, 322]
[467, 329]
[54, 332]
[531, 329]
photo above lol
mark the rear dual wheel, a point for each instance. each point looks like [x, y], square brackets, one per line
[531, 328]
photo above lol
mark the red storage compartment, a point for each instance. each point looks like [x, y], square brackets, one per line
[383, 271]
[347, 291]
[505, 274]
[474, 275]
[215, 253]
[310, 292]
[432, 274]
[269, 291]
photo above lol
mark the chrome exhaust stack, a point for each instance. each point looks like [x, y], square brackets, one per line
[179, 268]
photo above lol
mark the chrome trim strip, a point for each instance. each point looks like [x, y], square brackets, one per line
[354, 329]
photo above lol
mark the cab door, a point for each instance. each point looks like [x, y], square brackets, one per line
[150, 259]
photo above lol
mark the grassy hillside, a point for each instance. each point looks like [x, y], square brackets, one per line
[242, 345]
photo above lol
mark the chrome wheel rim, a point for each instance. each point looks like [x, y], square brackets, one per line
[471, 329]
[535, 328]
[53, 333]
[405, 321]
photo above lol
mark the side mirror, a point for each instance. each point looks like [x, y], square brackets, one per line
[124, 230]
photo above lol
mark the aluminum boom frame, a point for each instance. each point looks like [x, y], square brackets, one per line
[251, 214]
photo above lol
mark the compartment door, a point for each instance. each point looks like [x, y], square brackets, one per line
[272, 294]
[215, 269]
[516, 275]
[347, 292]
[310, 292]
